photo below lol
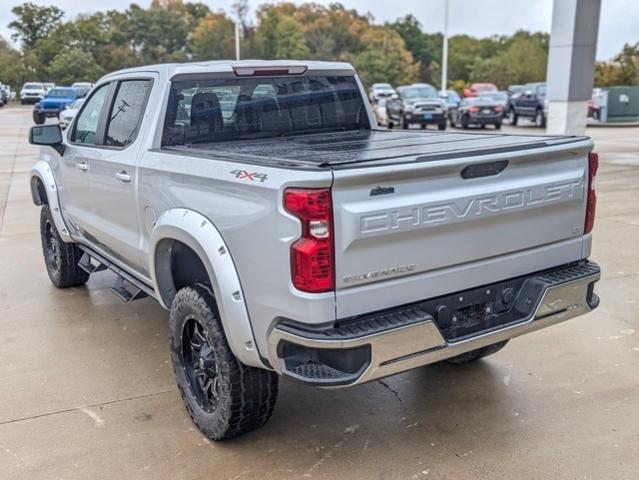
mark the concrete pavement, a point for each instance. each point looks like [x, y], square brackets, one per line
[87, 391]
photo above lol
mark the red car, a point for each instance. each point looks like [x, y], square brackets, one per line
[476, 88]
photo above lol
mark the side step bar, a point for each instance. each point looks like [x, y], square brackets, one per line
[126, 286]
[120, 289]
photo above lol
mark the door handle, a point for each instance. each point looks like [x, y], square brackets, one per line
[123, 176]
[82, 166]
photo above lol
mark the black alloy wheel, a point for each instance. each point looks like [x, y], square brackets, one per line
[200, 366]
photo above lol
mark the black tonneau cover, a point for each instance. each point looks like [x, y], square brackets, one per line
[367, 147]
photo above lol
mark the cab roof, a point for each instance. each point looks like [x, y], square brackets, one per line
[228, 66]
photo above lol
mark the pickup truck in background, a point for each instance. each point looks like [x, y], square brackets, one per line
[531, 103]
[288, 235]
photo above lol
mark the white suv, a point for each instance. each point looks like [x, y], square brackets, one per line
[32, 92]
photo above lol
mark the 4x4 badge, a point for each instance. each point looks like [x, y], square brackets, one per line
[251, 176]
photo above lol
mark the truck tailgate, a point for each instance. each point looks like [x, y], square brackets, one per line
[409, 225]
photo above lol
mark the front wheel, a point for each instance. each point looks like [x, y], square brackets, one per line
[60, 258]
[540, 119]
[498, 126]
[38, 118]
[512, 117]
[441, 126]
[475, 355]
[405, 123]
[223, 397]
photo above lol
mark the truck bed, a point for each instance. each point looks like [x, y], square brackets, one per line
[370, 147]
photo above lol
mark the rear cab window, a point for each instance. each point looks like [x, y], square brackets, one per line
[228, 109]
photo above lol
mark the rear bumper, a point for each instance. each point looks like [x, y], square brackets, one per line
[485, 120]
[384, 343]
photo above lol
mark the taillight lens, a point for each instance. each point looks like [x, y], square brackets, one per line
[499, 109]
[591, 202]
[312, 255]
[473, 109]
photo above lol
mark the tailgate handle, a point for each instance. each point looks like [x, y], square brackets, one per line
[484, 169]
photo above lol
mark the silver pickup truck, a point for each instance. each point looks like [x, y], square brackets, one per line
[288, 235]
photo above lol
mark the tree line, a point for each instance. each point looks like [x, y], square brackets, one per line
[51, 48]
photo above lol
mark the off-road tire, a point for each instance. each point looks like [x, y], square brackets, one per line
[247, 395]
[38, 118]
[60, 258]
[513, 118]
[475, 355]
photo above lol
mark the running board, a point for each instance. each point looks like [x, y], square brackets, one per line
[120, 289]
[126, 286]
[88, 266]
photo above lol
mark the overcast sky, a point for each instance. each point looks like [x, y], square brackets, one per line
[619, 21]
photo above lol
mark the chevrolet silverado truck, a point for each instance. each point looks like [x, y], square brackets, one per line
[289, 236]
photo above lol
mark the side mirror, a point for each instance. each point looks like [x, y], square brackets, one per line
[47, 135]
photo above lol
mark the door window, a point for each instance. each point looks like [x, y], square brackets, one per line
[126, 113]
[86, 129]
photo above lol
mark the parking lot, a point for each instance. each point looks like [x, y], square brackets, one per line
[87, 390]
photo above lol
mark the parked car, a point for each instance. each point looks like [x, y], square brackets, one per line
[54, 103]
[380, 90]
[478, 88]
[451, 98]
[594, 105]
[4, 95]
[500, 98]
[515, 89]
[530, 104]
[83, 88]
[9, 92]
[479, 111]
[293, 238]
[416, 105]
[68, 114]
[32, 92]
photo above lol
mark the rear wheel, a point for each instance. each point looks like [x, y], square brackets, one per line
[464, 123]
[540, 119]
[441, 126]
[475, 355]
[223, 397]
[60, 258]
[498, 126]
[405, 123]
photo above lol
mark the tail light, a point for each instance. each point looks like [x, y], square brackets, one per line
[591, 202]
[312, 266]
[473, 109]
[499, 109]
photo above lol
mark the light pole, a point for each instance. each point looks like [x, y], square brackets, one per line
[237, 40]
[445, 49]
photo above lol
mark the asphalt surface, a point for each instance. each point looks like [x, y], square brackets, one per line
[87, 390]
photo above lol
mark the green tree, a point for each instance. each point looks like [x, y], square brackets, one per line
[523, 60]
[33, 22]
[385, 58]
[622, 70]
[74, 65]
[278, 34]
[425, 48]
[13, 70]
[214, 38]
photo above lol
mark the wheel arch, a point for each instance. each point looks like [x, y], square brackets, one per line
[44, 190]
[201, 250]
